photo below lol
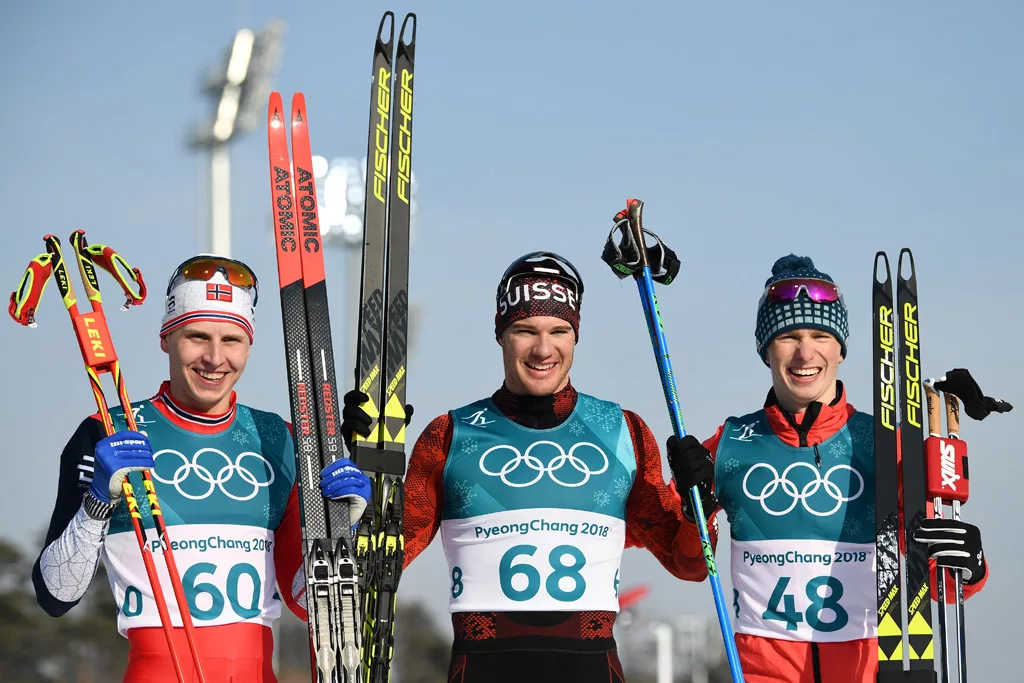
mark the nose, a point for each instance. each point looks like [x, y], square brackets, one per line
[804, 350]
[214, 355]
[543, 347]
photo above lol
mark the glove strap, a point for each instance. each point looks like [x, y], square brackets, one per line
[96, 508]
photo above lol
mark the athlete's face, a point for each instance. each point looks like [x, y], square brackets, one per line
[804, 365]
[537, 353]
[206, 359]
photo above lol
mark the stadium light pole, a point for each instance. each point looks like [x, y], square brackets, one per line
[239, 87]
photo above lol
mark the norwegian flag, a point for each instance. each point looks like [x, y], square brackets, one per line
[218, 292]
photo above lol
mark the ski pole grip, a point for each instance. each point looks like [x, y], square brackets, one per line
[635, 212]
[952, 414]
[25, 299]
[934, 412]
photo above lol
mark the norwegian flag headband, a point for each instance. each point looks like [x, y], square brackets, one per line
[208, 288]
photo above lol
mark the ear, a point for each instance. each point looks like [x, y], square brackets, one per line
[164, 346]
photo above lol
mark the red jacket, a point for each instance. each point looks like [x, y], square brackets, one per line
[771, 660]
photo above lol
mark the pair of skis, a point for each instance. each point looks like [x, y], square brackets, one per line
[899, 448]
[349, 575]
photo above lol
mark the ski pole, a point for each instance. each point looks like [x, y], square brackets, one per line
[99, 356]
[638, 265]
[933, 466]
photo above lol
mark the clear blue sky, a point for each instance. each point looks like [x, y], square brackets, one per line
[750, 132]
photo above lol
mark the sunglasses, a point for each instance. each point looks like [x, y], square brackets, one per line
[203, 268]
[819, 291]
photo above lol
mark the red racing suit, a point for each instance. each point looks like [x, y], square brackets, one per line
[777, 443]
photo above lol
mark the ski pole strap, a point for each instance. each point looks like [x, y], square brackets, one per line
[25, 299]
[625, 257]
[128, 278]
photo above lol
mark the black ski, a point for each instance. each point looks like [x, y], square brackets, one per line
[899, 438]
[887, 531]
[919, 606]
[331, 587]
[381, 355]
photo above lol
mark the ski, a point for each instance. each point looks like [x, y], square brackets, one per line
[919, 607]
[899, 473]
[331, 586]
[381, 353]
[887, 550]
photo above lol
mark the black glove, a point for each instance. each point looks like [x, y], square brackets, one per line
[355, 420]
[955, 545]
[976, 404]
[691, 466]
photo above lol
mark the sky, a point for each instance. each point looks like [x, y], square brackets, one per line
[750, 132]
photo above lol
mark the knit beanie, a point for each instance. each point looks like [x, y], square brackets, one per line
[775, 318]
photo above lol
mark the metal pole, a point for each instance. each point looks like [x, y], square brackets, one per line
[663, 637]
[220, 200]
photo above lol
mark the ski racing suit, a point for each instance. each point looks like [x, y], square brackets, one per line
[799, 497]
[226, 485]
[533, 497]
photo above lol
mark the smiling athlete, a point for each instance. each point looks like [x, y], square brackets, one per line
[796, 480]
[224, 474]
[534, 490]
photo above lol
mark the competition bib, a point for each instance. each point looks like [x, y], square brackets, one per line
[538, 559]
[805, 590]
[223, 571]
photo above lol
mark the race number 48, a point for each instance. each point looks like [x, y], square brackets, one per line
[782, 605]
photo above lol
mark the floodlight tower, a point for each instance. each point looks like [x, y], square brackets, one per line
[238, 87]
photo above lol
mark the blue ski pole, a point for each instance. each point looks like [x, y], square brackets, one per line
[632, 258]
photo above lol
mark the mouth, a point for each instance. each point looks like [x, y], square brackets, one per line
[804, 374]
[539, 369]
[207, 378]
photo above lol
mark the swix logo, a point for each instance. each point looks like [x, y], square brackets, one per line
[538, 291]
[747, 432]
[948, 458]
[477, 419]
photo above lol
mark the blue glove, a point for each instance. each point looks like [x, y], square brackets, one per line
[342, 480]
[114, 457]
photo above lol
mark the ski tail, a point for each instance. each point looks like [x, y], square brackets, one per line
[920, 646]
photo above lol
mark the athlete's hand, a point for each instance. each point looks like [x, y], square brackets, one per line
[114, 457]
[355, 420]
[342, 480]
[691, 466]
[954, 544]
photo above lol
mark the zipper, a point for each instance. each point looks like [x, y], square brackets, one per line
[817, 456]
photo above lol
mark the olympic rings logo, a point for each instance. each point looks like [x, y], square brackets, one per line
[188, 467]
[800, 495]
[532, 462]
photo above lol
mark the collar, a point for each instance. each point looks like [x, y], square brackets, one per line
[536, 412]
[186, 418]
[817, 423]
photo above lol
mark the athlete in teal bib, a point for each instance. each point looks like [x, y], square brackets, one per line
[224, 474]
[535, 491]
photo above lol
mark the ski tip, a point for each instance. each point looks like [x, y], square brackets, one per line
[388, 16]
[274, 110]
[410, 19]
[905, 252]
[298, 108]
[881, 258]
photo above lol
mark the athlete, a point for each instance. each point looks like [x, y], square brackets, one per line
[224, 474]
[534, 490]
[796, 481]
